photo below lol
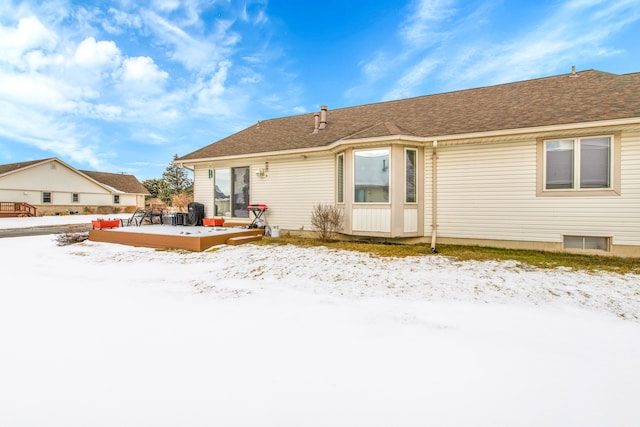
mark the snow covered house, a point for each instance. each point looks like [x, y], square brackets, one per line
[52, 186]
[551, 163]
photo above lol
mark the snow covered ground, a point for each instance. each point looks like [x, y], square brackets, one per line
[98, 334]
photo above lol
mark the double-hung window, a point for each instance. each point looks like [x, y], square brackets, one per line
[573, 164]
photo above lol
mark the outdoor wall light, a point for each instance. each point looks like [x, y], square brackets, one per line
[263, 172]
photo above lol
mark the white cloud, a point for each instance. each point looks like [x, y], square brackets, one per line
[575, 32]
[142, 70]
[419, 31]
[97, 54]
[121, 21]
[376, 67]
[439, 41]
[166, 5]
[421, 28]
[254, 13]
[405, 87]
[107, 112]
[29, 35]
[37, 91]
[47, 132]
[32, 34]
[79, 73]
[214, 87]
[195, 51]
[37, 60]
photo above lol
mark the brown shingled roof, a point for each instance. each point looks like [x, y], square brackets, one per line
[15, 166]
[119, 181]
[584, 97]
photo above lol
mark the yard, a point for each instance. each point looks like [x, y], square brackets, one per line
[281, 335]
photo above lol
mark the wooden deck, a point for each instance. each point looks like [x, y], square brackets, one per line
[16, 209]
[195, 239]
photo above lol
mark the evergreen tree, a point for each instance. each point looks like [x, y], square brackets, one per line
[174, 181]
[154, 187]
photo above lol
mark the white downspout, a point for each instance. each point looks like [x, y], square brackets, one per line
[434, 196]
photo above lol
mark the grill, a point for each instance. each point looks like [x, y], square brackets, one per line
[258, 209]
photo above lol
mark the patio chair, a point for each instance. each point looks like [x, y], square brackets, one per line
[136, 219]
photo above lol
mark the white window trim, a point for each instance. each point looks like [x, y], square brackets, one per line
[614, 169]
[577, 142]
[338, 201]
[415, 177]
[231, 190]
[353, 173]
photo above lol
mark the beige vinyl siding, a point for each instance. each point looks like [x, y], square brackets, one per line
[410, 221]
[488, 191]
[53, 177]
[369, 219]
[629, 206]
[203, 189]
[483, 190]
[292, 187]
[27, 186]
[428, 193]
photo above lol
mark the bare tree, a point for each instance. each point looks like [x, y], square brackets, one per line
[326, 220]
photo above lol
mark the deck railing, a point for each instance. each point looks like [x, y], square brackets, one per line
[8, 209]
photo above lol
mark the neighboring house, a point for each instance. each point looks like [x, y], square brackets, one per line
[53, 186]
[551, 164]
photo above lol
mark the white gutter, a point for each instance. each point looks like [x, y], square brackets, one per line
[434, 196]
[187, 168]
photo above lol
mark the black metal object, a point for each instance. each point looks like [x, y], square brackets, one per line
[195, 214]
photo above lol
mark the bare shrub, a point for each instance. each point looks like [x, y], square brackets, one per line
[181, 201]
[65, 239]
[104, 210]
[326, 220]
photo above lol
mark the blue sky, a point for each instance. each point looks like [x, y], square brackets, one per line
[122, 86]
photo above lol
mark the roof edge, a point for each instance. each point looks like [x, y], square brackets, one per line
[415, 139]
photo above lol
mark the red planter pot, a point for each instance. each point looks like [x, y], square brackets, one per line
[212, 222]
[111, 223]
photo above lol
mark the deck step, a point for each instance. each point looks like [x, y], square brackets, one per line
[243, 239]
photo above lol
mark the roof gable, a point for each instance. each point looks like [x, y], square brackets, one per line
[12, 167]
[582, 97]
[113, 182]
